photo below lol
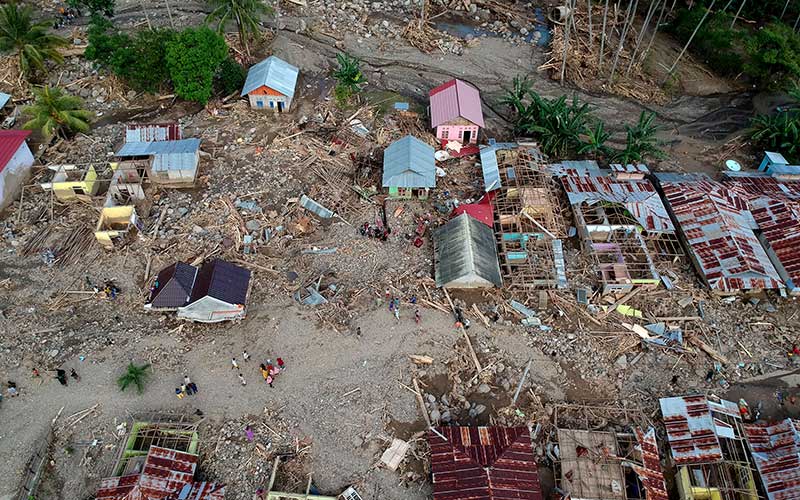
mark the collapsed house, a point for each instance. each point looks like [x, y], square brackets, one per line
[171, 163]
[456, 113]
[742, 231]
[708, 448]
[529, 226]
[271, 84]
[16, 161]
[483, 462]
[70, 182]
[465, 254]
[117, 225]
[776, 452]
[621, 221]
[158, 462]
[409, 168]
[215, 292]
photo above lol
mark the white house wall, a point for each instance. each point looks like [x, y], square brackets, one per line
[15, 175]
[210, 310]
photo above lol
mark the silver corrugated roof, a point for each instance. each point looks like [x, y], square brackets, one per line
[4, 98]
[273, 72]
[184, 146]
[491, 172]
[465, 254]
[409, 163]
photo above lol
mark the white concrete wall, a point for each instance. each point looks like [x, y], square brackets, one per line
[210, 310]
[15, 175]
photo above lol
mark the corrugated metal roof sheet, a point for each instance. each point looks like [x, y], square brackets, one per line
[315, 207]
[166, 474]
[223, 281]
[465, 254]
[149, 132]
[10, 141]
[4, 98]
[455, 99]
[651, 474]
[491, 171]
[274, 73]
[719, 227]
[638, 196]
[409, 163]
[483, 463]
[776, 453]
[693, 431]
[184, 146]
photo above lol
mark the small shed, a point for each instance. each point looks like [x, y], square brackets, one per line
[152, 132]
[16, 160]
[173, 287]
[409, 168]
[220, 293]
[465, 254]
[271, 84]
[456, 112]
[169, 162]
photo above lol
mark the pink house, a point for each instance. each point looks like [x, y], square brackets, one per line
[456, 112]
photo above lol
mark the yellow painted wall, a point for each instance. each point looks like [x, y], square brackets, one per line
[89, 185]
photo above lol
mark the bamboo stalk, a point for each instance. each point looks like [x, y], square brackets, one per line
[591, 34]
[603, 38]
[737, 13]
[655, 31]
[650, 10]
[630, 13]
[567, 27]
[696, 29]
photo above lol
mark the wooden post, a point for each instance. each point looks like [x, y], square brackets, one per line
[522, 381]
[650, 11]
[591, 34]
[629, 15]
[696, 29]
[737, 13]
[655, 31]
[603, 38]
[567, 26]
[421, 402]
[169, 13]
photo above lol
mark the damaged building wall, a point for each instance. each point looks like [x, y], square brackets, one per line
[16, 160]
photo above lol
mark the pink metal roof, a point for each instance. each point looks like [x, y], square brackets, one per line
[719, 229]
[692, 429]
[483, 463]
[455, 99]
[776, 452]
[165, 474]
[638, 196]
[651, 474]
[10, 141]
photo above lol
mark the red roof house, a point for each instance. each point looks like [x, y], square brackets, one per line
[16, 160]
[483, 463]
[166, 474]
[456, 112]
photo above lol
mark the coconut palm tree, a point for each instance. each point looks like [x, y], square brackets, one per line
[245, 13]
[135, 375]
[30, 40]
[54, 112]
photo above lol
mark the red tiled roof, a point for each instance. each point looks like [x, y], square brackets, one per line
[483, 463]
[651, 473]
[455, 99]
[692, 429]
[165, 474]
[10, 141]
[776, 453]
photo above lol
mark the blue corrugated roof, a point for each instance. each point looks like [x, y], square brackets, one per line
[273, 72]
[409, 163]
[184, 146]
[4, 98]
[491, 172]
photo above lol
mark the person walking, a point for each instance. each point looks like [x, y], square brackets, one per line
[12, 389]
[187, 382]
[74, 374]
[264, 371]
[241, 378]
[417, 316]
[61, 376]
[234, 364]
[245, 356]
[270, 378]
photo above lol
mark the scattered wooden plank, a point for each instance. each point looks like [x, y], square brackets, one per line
[679, 318]
[480, 315]
[715, 355]
[421, 360]
[625, 298]
[421, 403]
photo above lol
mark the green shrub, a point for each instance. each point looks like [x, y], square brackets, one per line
[193, 58]
[349, 78]
[102, 42]
[95, 7]
[231, 76]
[774, 56]
[715, 43]
[780, 132]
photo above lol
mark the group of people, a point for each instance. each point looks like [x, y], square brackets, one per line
[394, 306]
[61, 375]
[268, 370]
[188, 388]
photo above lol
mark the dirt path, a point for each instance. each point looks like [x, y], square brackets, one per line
[322, 366]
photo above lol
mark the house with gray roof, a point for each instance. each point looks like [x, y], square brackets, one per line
[409, 168]
[271, 84]
[465, 254]
[168, 162]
